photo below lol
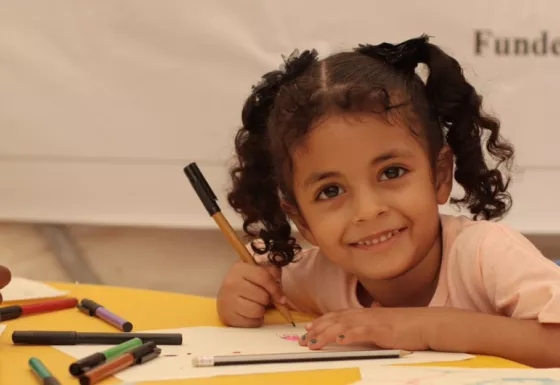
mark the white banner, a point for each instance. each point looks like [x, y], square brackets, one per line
[102, 103]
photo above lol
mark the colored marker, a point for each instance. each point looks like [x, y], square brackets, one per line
[96, 310]
[42, 372]
[138, 356]
[16, 311]
[79, 338]
[87, 363]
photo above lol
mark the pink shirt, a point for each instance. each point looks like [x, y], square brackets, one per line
[486, 267]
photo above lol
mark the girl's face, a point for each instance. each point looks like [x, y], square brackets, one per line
[368, 196]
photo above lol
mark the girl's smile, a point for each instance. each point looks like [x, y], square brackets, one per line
[379, 241]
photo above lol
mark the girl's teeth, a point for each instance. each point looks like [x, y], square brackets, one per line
[382, 238]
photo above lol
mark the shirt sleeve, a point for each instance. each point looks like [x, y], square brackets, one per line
[300, 280]
[519, 281]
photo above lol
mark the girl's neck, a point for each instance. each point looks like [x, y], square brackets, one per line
[413, 289]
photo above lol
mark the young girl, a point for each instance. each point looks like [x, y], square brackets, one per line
[359, 152]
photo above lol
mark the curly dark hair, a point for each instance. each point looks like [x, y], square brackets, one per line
[380, 80]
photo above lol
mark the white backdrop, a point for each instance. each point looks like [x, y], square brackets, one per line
[102, 103]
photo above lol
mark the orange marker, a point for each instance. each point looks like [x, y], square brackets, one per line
[138, 356]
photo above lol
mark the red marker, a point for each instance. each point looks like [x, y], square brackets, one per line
[16, 311]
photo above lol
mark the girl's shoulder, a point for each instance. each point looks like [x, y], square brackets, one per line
[465, 233]
[493, 268]
[486, 245]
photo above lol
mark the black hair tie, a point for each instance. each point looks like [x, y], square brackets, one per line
[404, 56]
[256, 110]
[292, 66]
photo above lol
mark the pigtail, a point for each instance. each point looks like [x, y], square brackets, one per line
[255, 190]
[456, 108]
[468, 129]
[254, 193]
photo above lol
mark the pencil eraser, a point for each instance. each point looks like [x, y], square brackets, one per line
[202, 361]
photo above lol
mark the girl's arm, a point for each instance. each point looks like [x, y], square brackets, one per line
[441, 329]
[502, 272]
[525, 341]
[511, 290]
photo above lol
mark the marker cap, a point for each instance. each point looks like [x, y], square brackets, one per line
[10, 312]
[202, 189]
[89, 306]
[143, 350]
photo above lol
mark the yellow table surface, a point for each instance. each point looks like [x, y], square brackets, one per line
[146, 311]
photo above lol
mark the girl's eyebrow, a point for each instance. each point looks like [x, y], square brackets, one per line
[319, 176]
[392, 154]
[385, 156]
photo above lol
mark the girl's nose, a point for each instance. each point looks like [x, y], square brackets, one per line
[368, 205]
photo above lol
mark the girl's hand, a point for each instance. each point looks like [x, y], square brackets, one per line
[387, 328]
[246, 293]
[5, 278]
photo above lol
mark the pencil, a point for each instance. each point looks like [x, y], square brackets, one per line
[208, 198]
[281, 358]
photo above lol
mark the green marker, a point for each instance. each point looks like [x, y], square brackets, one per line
[42, 372]
[80, 367]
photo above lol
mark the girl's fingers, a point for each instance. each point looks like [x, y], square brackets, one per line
[253, 293]
[321, 324]
[275, 272]
[329, 335]
[239, 319]
[347, 317]
[248, 308]
[339, 327]
[339, 334]
[303, 340]
[355, 334]
[326, 318]
[260, 276]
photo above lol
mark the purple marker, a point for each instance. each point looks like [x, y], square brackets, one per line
[96, 310]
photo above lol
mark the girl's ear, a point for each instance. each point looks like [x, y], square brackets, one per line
[295, 216]
[444, 175]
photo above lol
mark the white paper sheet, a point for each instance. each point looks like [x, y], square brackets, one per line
[372, 375]
[2, 328]
[21, 289]
[175, 362]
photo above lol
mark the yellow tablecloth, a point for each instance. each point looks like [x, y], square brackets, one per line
[146, 311]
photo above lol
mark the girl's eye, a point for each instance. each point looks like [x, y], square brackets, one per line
[330, 192]
[392, 173]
